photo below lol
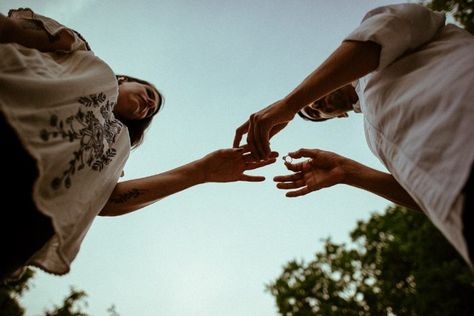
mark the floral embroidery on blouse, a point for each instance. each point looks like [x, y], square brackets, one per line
[91, 135]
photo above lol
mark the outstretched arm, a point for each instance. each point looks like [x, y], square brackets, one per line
[350, 61]
[226, 165]
[386, 33]
[324, 169]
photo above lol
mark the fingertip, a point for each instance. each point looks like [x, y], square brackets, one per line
[254, 179]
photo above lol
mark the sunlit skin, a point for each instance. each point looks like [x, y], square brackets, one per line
[320, 169]
[136, 101]
[349, 62]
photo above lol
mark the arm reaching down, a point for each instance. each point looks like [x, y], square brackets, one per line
[350, 61]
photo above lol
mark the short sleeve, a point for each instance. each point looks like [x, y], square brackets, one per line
[398, 29]
[51, 26]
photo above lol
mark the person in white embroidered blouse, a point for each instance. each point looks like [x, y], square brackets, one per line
[411, 75]
[68, 123]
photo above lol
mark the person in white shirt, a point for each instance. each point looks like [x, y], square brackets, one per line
[412, 77]
[67, 126]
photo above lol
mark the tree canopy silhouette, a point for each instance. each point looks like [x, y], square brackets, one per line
[398, 264]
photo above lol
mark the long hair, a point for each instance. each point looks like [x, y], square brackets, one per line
[137, 128]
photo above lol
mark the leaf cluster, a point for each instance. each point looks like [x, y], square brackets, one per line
[397, 264]
[462, 10]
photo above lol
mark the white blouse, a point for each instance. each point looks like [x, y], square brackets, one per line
[61, 106]
[418, 108]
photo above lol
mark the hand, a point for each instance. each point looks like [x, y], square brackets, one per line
[261, 126]
[228, 165]
[323, 169]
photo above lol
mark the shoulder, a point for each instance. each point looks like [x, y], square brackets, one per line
[51, 26]
[404, 10]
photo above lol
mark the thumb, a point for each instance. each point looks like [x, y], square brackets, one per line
[302, 152]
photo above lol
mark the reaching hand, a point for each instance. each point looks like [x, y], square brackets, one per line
[227, 165]
[322, 170]
[261, 126]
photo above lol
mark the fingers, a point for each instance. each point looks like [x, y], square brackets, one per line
[291, 185]
[258, 139]
[249, 178]
[259, 164]
[293, 181]
[239, 133]
[304, 152]
[299, 192]
[249, 158]
[245, 147]
[287, 178]
[251, 164]
[295, 167]
[274, 154]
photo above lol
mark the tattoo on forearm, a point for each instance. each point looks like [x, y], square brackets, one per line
[127, 196]
[36, 25]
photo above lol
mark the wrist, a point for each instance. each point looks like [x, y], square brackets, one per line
[197, 171]
[350, 171]
[292, 104]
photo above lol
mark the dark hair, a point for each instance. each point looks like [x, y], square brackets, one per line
[308, 117]
[137, 128]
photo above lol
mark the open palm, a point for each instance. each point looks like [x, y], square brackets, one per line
[321, 170]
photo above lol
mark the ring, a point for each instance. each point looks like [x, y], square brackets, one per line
[287, 159]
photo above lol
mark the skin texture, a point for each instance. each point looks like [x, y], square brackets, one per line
[350, 61]
[224, 165]
[136, 101]
[324, 169]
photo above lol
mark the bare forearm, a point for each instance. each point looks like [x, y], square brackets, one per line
[129, 196]
[380, 183]
[350, 61]
[30, 34]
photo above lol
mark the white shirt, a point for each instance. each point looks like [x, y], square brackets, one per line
[419, 108]
[61, 107]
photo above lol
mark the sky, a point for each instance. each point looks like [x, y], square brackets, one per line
[210, 250]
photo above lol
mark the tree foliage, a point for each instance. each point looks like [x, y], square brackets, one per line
[462, 10]
[398, 264]
[10, 293]
[72, 305]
